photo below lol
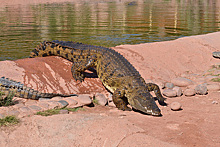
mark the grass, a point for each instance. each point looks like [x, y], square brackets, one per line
[95, 101]
[57, 111]
[6, 100]
[9, 120]
[215, 79]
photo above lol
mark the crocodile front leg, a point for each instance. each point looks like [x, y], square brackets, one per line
[120, 101]
[79, 68]
[156, 89]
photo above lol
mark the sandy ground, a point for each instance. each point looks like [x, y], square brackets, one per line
[196, 125]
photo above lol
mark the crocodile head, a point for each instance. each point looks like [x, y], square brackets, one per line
[144, 102]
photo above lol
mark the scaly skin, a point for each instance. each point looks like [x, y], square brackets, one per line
[115, 72]
[7, 86]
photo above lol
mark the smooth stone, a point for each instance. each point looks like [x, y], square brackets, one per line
[182, 82]
[71, 101]
[43, 105]
[178, 90]
[44, 99]
[84, 99]
[30, 102]
[213, 87]
[19, 105]
[169, 85]
[35, 108]
[160, 84]
[63, 103]
[53, 104]
[189, 92]
[25, 109]
[169, 93]
[201, 89]
[13, 112]
[63, 111]
[214, 102]
[57, 98]
[175, 106]
[101, 99]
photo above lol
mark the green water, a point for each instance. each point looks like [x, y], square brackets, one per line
[108, 24]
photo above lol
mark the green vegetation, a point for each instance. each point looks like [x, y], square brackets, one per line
[6, 100]
[216, 80]
[9, 120]
[95, 101]
[57, 111]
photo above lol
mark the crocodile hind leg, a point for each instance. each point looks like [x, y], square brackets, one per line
[156, 89]
[120, 101]
[80, 66]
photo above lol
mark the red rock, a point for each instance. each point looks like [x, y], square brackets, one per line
[178, 90]
[169, 93]
[189, 92]
[101, 99]
[182, 82]
[175, 106]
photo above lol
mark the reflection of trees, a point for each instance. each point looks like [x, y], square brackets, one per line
[108, 24]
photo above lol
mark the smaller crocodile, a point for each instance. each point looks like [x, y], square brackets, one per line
[216, 54]
[7, 86]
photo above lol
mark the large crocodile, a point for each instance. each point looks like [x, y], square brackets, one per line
[115, 72]
[19, 90]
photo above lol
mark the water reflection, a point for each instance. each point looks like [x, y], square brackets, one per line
[103, 23]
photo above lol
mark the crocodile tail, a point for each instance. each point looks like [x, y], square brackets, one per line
[57, 48]
[41, 50]
[19, 90]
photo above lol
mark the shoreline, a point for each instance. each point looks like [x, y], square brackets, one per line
[195, 124]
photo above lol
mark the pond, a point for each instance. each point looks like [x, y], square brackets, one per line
[110, 23]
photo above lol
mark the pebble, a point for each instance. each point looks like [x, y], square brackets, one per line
[44, 99]
[57, 98]
[182, 82]
[160, 84]
[63, 103]
[189, 92]
[35, 108]
[101, 99]
[214, 102]
[83, 99]
[19, 105]
[43, 105]
[169, 93]
[175, 106]
[178, 90]
[25, 109]
[63, 111]
[71, 102]
[169, 85]
[53, 104]
[13, 112]
[201, 89]
[213, 87]
[30, 102]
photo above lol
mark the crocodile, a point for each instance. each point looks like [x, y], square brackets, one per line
[22, 91]
[117, 74]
